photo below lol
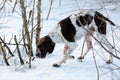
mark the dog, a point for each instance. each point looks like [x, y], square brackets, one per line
[72, 29]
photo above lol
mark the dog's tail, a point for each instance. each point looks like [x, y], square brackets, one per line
[99, 15]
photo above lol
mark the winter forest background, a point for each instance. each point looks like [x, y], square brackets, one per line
[23, 22]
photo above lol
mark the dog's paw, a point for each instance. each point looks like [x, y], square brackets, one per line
[81, 58]
[71, 57]
[109, 62]
[56, 65]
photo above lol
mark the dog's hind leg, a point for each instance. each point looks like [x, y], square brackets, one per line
[89, 46]
[102, 38]
[109, 46]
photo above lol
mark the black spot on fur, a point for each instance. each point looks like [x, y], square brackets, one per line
[81, 21]
[67, 29]
[84, 20]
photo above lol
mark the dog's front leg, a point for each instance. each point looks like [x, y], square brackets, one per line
[70, 48]
[66, 48]
[63, 59]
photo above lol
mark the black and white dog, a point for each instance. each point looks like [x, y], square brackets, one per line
[71, 29]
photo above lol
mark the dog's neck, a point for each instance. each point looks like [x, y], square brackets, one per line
[56, 35]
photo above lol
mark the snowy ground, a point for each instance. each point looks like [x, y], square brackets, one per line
[73, 69]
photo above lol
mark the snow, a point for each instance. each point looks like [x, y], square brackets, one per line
[73, 69]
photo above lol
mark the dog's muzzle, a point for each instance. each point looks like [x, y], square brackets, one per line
[38, 55]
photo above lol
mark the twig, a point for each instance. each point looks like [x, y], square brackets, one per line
[100, 55]
[18, 67]
[14, 5]
[77, 4]
[4, 54]
[60, 2]
[3, 4]
[95, 64]
[49, 9]
[7, 47]
[14, 10]
[10, 39]
[19, 54]
[15, 44]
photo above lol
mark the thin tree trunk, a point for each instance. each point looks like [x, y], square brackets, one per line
[25, 46]
[38, 20]
[27, 36]
[32, 20]
[25, 27]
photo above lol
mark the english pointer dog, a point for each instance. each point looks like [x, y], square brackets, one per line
[72, 29]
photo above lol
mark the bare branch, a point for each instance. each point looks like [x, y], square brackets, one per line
[6, 47]
[3, 5]
[4, 54]
[14, 5]
[24, 17]
[96, 64]
[19, 54]
[49, 9]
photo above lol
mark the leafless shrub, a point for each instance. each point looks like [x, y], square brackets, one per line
[30, 22]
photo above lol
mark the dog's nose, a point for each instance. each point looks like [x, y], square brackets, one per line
[38, 55]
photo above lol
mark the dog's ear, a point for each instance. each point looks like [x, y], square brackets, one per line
[50, 45]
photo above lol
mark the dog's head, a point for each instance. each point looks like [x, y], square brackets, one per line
[45, 45]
